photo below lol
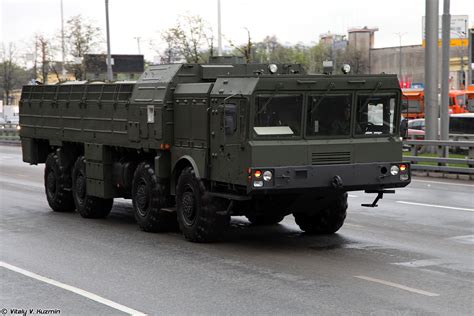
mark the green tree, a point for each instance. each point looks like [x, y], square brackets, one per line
[12, 76]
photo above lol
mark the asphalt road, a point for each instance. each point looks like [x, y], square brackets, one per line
[413, 255]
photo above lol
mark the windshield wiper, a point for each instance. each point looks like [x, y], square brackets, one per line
[330, 86]
[264, 107]
[377, 87]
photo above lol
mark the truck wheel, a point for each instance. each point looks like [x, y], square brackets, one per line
[327, 220]
[87, 206]
[265, 219]
[149, 197]
[198, 216]
[57, 184]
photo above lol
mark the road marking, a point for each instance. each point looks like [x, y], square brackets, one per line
[73, 289]
[448, 183]
[467, 239]
[437, 206]
[422, 263]
[396, 285]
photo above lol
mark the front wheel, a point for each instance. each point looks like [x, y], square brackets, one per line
[87, 206]
[328, 219]
[198, 212]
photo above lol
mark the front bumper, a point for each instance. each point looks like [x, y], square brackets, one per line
[347, 177]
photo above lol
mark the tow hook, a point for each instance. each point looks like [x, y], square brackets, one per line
[337, 182]
[379, 196]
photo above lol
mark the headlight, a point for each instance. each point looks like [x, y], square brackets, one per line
[272, 68]
[346, 68]
[394, 170]
[18, 127]
[267, 175]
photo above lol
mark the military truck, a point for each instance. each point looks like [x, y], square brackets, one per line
[194, 144]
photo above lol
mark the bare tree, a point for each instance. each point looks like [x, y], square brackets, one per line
[45, 56]
[82, 37]
[247, 49]
[190, 38]
[357, 60]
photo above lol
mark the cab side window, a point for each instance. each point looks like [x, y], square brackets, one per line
[230, 119]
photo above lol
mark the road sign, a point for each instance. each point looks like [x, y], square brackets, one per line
[459, 30]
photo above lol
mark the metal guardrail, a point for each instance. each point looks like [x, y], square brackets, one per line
[9, 133]
[418, 145]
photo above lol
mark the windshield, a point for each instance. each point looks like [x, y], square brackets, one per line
[278, 115]
[411, 106]
[461, 100]
[376, 114]
[329, 115]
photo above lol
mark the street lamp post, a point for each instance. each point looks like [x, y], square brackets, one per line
[63, 48]
[109, 58]
[400, 35]
[138, 44]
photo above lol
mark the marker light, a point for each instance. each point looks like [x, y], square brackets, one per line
[257, 174]
[403, 168]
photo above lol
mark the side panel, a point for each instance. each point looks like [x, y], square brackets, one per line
[99, 171]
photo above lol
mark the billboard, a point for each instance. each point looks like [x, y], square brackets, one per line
[459, 30]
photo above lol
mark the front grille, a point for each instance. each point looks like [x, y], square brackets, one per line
[331, 158]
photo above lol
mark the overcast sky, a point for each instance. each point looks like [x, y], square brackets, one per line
[292, 21]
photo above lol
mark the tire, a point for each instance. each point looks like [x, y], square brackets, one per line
[149, 197]
[57, 184]
[198, 212]
[86, 205]
[327, 220]
[265, 219]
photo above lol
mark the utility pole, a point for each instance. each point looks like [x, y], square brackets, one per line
[219, 29]
[431, 71]
[138, 44]
[63, 49]
[444, 108]
[109, 58]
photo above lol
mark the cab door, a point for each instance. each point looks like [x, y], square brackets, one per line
[227, 134]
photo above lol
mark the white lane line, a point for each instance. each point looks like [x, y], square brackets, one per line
[396, 285]
[438, 206]
[443, 183]
[467, 239]
[73, 289]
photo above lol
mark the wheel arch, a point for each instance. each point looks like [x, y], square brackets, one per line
[181, 163]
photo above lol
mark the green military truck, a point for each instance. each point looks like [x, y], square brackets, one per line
[193, 145]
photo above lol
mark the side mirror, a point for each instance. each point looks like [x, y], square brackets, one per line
[404, 128]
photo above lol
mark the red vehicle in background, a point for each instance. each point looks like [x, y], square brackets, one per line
[470, 99]
[413, 103]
